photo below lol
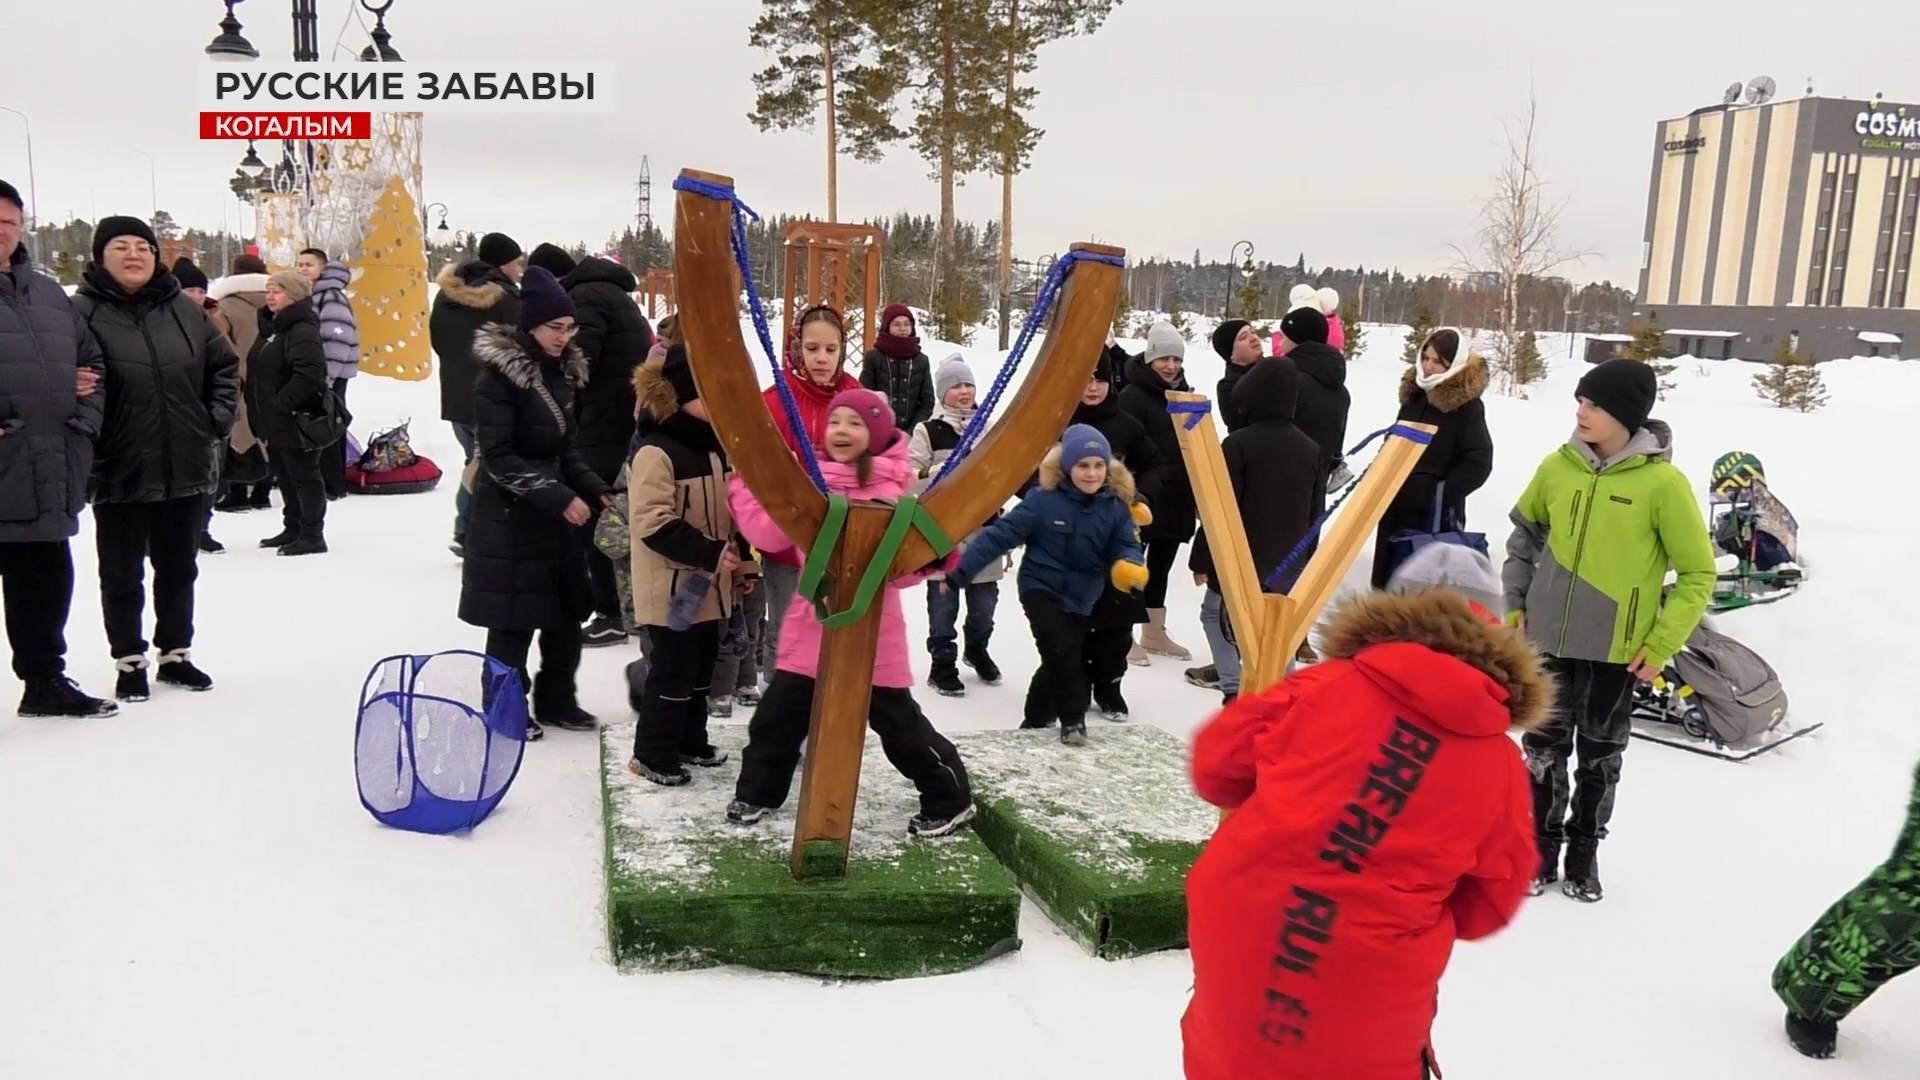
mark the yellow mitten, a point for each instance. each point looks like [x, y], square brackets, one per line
[1142, 514]
[1129, 576]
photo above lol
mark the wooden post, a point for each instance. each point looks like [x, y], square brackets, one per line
[728, 383]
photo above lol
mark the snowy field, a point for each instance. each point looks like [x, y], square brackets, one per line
[191, 889]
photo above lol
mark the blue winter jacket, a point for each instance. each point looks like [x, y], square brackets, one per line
[1072, 538]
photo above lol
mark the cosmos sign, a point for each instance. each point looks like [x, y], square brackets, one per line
[1888, 127]
[1691, 145]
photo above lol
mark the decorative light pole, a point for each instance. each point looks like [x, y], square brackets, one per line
[427, 211]
[1233, 263]
[33, 187]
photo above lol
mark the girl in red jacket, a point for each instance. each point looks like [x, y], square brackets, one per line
[816, 371]
[1380, 812]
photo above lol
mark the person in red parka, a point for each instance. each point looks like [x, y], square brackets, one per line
[816, 371]
[1379, 813]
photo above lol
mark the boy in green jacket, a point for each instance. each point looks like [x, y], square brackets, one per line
[1604, 519]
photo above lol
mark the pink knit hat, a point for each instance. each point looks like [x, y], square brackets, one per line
[873, 409]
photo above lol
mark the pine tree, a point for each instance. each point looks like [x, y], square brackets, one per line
[827, 61]
[1252, 294]
[390, 295]
[1792, 381]
[1356, 339]
[1123, 310]
[1416, 337]
[67, 268]
[1527, 365]
[1649, 346]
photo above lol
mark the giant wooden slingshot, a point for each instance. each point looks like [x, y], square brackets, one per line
[1268, 627]
[704, 269]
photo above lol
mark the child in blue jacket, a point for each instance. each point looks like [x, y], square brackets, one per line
[1080, 530]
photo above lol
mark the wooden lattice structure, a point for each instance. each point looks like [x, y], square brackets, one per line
[837, 265]
[659, 285]
[1270, 627]
[730, 386]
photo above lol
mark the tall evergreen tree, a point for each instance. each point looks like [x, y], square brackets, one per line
[827, 62]
[1356, 338]
[1527, 365]
[1251, 294]
[1649, 346]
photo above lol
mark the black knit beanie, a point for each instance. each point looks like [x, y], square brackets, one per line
[678, 371]
[542, 300]
[554, 260]
[1224, 334]
[1303, 325]
[9, 193]
[1626, 389]
[116, 226]
[498, 249]
[189, 275]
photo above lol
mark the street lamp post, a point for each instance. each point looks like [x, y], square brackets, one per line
[153, 186]
[33, 187]
[426, 212]
[1233, 263]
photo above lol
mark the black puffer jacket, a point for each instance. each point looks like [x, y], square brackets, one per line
[1223, 403]
[526, 566]
[1324, 400]
[287, 375]
[614, 338]
[907, 385]
[472, 295]
[172, 390]
[1145, 399]
[46, 453]
[1460, 455]
[1275, 470]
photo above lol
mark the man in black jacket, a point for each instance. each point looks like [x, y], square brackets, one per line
[1324, 400]
[1238, 343]
[472, 294]
[49, 370]
[615, 339]
[1278, 487]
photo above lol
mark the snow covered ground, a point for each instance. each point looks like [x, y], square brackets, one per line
[192, 890]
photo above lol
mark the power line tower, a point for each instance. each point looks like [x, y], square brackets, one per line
[646, 194]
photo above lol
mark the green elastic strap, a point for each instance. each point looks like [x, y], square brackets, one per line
[908, 515]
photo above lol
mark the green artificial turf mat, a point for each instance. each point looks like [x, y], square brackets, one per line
[1101, 836]
[687, 889]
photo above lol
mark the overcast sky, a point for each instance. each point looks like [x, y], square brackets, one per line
[1357, 132]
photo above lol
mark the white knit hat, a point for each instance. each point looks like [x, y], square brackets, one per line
[1303, 295]
[953, 371]
[1329, 301]
[1164, 340]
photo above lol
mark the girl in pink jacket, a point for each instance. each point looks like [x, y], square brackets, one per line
[864, 457]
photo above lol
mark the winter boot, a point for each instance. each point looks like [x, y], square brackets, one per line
[1206, 678]
[281, 539]
[720, 708]
[1154, 638]
[1112, 706]
[1073, 734]
[1547, 875]
[983, 666]
[602, 632]
[706, 757]
[305, 545]
[131, 683]
[534, 731]
[262, 498]
[1814, 1038]
[56, 695]
[945, 680]
[747, 695]
[678, 776]
[745, 813]
[928, 825]
[234, 501]
[555, 704]
[1583, 873]
[1137, 656]
[210, 546]
[176, 669]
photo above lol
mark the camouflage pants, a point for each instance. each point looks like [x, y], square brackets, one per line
[1868, 936]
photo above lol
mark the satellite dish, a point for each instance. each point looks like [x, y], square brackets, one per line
[1733, 94]
[1760, 91]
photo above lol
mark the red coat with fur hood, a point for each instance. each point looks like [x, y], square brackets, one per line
[1381, 812]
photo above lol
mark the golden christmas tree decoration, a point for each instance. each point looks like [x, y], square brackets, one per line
[389, 292]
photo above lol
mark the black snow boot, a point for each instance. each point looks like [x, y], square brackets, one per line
[1111, 705]
[234, 501]
[983, 666]
[305, 545]
[131, 682]
[210, 546]
[56, 695]
[945, 680]
[1583, 874]
[1814, 1038]
[281, 539]
[262, 498]
[556, 705]
[176, 669]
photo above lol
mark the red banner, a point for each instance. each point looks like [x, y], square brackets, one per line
[286, 125]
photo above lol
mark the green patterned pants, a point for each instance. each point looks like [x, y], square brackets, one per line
[1868, 936]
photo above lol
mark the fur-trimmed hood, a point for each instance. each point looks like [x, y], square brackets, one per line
[472, 284]
[654, 393]
[1119, 480]
[1513, 692]
[237, 285]
[1464, 382]
[518, 357]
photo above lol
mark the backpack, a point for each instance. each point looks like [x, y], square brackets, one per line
[389, 450]
[1737, 692]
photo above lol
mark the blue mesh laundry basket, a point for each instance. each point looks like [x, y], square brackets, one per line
[439, 739]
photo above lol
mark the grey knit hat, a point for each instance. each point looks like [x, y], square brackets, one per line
[953, 372]
[1451, 566]
[1164, 340]
[293, 283]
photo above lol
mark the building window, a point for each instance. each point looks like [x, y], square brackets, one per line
[1903, 262]
[1842, 241]
[1822, 228]
[1883, 244]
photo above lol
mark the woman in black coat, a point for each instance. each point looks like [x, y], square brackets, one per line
[1149, 377]
[290, 405]
[1443, 389]
[534, 501]
[172, 388]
